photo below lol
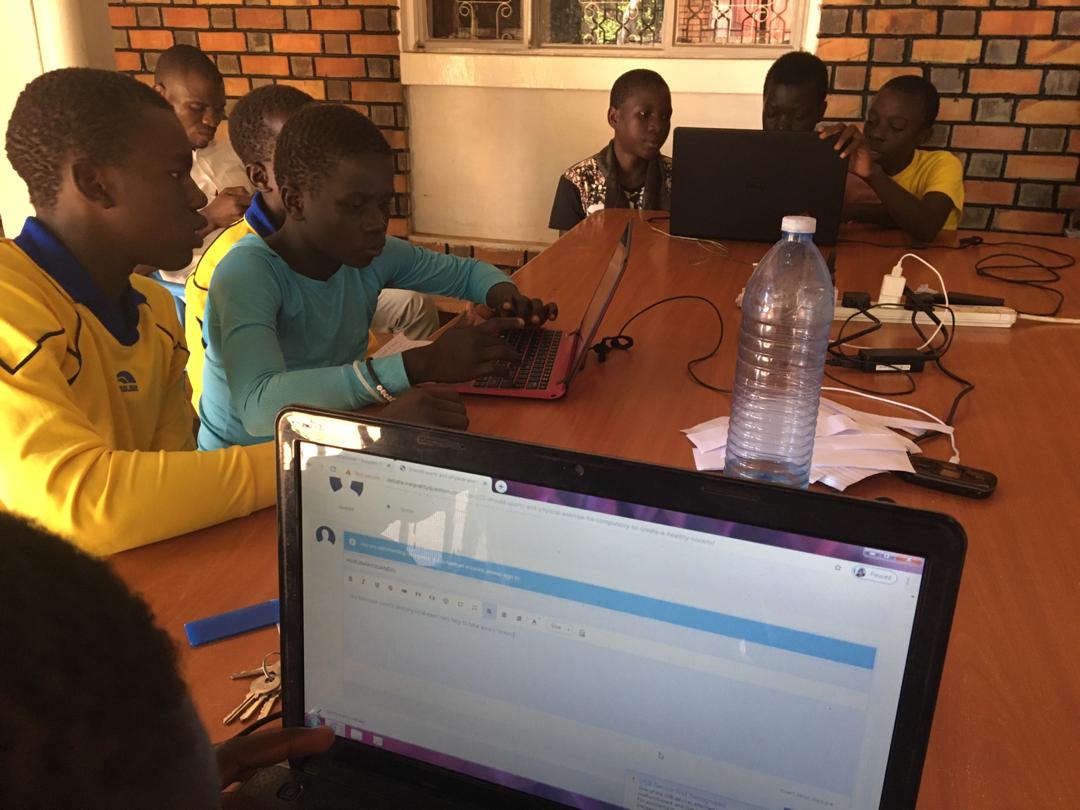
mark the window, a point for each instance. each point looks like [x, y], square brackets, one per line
[653, 25]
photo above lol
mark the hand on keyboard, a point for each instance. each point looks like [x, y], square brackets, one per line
[464, 353]
[505, 299]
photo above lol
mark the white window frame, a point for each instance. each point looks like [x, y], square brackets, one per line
[414, 27]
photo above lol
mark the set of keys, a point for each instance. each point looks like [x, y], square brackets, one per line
[261, 696]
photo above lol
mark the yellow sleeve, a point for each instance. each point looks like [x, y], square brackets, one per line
[57, 468]
[945, 175]
[175, 428]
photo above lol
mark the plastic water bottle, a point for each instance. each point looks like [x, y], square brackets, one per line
[787, 310]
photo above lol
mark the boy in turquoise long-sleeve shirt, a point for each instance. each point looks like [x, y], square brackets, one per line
[287, 318]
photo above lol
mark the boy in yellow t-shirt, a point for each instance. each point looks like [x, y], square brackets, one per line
[918, 190]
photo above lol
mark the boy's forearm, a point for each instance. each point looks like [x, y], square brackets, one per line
[903, 207]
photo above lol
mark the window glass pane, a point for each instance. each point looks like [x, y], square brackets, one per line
[605, 22]
[734, 22]
[475, 19]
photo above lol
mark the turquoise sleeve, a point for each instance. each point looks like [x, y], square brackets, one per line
[416, 268]
[247, 304]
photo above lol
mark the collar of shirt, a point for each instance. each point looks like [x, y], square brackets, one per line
[50, 254]
[259, 218]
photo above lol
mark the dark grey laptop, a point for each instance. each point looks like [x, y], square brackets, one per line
[492, 624]
[740, 183]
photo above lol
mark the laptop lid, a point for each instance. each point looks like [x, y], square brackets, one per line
[525, 626]
[740, 184]
[598, 304]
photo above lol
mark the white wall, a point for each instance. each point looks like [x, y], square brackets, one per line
[485, 161]
[37, 36]
[490, 133]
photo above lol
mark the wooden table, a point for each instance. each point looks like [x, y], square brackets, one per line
[1007, 728]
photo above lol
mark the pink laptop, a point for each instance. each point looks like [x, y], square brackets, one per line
[551, 357]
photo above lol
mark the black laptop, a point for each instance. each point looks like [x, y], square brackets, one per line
[485, 623]
[740, 183]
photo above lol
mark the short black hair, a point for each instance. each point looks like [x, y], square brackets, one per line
[633, 80]
[182, 60]
[71, 114]
[800, 68]
[921, 89]
[90, 695]
[249, 131]
[315, 140]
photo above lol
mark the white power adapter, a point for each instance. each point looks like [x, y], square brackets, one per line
[892, 286]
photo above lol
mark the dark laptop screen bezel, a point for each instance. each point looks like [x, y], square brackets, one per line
[937, 538]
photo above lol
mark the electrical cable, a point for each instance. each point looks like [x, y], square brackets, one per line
[623, 341]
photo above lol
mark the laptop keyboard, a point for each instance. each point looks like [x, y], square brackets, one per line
[538, 348]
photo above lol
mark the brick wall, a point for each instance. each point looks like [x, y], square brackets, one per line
[1008, 73]
[345, 53]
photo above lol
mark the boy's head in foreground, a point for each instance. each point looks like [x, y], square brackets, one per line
[191, 83]
[93, 709]
[335, 172]
[639, 111]
[900, 119]
[796, 87]
[107, 163]
[254, 126]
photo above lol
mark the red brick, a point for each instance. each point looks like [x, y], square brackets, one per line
[1029, 221]
[1042, 167]
[260, 18]
[989, 192]
[973, 3]
[953, 51]
[845, 107]
[1022, 82]
[313, 87]
[901, 21]
[879, 75]
[128, 60]
[844, 49]
[1036, 111]
[220, 2]
[143, 39]
[849, 77]
[396, 138]
[398, 226]
[373, 43]
[377, 91]
[298, 43]
[1069, 197]
[1053, 52]
[344, 67]
[1017, 23]
[1074, 141]
[236, 86]
[185, 17]
[268, 65]
[401, 183]
[955, 109]
[121, 17]
[988, 137]
[335, 20]
[222, 41]
[846, 3]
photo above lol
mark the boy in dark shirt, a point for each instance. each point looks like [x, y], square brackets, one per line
[629, 172]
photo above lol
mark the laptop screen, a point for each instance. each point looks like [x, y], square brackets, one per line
[596, 652]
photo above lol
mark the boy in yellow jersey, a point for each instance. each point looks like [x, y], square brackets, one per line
[95, 419]
[253, 127]
[921, 191]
